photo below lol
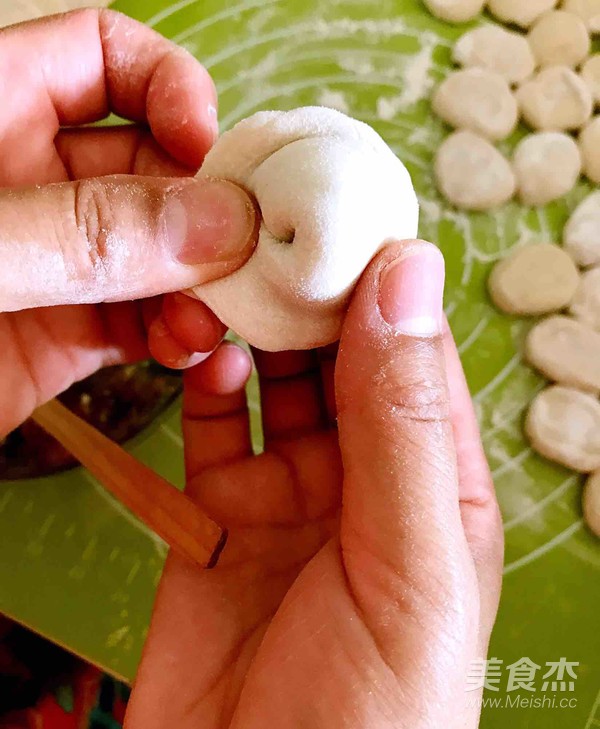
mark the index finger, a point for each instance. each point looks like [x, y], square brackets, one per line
[84, 64]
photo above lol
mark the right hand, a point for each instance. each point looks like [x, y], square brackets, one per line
[362, 572]
[141, 227]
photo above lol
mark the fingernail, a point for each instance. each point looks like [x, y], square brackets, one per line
[209, 221]
[411, 291]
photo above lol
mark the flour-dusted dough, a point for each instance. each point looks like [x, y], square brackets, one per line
[496, 49]
[331, 193]
[520, 12]
[455, 11]
[566, 351]
[472, 174]
[591, 503]
[559, 38]
[563, 425]
[589, 143]
[588, 10]
[556, 99]
[580, 237]
[478, 100]
[547, 166]
[585, 305]
[590, 73]
[534, 279]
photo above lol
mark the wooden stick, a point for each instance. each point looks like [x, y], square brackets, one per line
[156, 502]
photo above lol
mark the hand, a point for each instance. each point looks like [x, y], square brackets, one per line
[78, 241]
[363, 568]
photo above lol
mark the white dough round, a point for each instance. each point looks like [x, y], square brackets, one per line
[478, 100]
[559, 38]
[591, 503]
[590, 73]
[496, 49]
[589, 143]
[581, 235]
[455, 11]
[472, 174]
[556, 99]
[520, 12]
[547, 166]
[566, 351]
[331, 194]
[588, 10]
[563, 425]
[534, 279]
[585, 305]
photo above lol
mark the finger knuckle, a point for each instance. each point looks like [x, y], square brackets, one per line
[419, 398]
[93, 217]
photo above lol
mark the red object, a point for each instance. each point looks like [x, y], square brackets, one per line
[48, 714]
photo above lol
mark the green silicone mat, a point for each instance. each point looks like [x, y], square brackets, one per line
[75, 566]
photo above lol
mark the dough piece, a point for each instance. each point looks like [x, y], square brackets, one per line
[563, 425]
[566, 351]
[586, 301]
[582, 232]
[588, 10]
[331, 193]
[472, 174]
[559, 38]
[455, 11]
[589, 143]
[590, 73]
[520, 12]
[547, 166]
[556, 99]
[498, 50]
[591, 503]
[534, 279]
[478, 100]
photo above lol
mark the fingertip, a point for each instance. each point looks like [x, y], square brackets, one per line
[225, 372]
[192, 323]
[165, 348]
[181, 108]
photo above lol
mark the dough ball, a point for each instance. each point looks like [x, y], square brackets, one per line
[534, 279]
[520, 12]
[590, 73]
[478, 100]
[586, 301]
[566, 351]
[588, 10]
[547, 166]
[591, 503]
[556, 99]
[455, 11]
[563, 425]
[498, 50]
[589, 143]
[472, 174]
[581, 236]
[559, 38]
[332, 194]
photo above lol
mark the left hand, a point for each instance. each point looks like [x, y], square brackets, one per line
[139, 228]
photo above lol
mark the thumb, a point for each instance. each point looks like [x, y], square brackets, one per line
[118, 238]
[401, 512]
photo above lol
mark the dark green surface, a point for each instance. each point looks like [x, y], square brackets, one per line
[81, 572]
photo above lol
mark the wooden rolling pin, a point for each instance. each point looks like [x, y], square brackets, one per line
[156, 502]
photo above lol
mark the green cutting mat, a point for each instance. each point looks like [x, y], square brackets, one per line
[75, 566]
